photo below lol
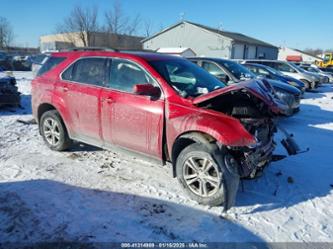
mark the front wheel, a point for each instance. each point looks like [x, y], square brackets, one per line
[207, 175]
[307, 84]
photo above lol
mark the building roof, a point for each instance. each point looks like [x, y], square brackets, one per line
[300, 51]
[176, 50]
[232, 35]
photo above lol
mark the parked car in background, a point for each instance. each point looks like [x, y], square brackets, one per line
[326, 69]
[21, 62]
[231, 72]
[313, 69]
[273, 74]
[5, 62]
[9, 95]
[310, 80]
[161, 106]
[37, 62]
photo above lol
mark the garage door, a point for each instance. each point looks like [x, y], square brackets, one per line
[238, 51]
[251, 52]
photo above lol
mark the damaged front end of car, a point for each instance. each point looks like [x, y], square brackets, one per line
[257, 113]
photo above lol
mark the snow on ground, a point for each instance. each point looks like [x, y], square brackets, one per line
[89, 194]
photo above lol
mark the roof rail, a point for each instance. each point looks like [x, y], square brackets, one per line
[136, 50]
[91, 49]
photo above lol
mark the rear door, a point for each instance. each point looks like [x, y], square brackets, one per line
[81, 87]
[129, 120]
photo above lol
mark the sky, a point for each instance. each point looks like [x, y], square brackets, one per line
[294, 23]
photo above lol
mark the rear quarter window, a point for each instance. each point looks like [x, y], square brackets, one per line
[50, 64]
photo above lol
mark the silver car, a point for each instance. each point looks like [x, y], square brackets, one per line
[326, 77]
[310, 80]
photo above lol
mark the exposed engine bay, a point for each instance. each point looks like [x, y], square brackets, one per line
[259, 120]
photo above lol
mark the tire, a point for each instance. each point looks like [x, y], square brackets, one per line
[53, 131]
[221, 191]
[307, 84]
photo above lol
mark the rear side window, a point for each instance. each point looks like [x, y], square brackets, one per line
[50, 64]
[89, 71]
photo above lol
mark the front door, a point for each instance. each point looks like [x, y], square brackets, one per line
[129, 120]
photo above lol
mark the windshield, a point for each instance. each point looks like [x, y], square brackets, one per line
[296, 67]
[274, 71]
[237, 70]
[327, 57]
[188, 79]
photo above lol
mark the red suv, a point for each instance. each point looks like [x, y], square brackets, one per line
[164, 107]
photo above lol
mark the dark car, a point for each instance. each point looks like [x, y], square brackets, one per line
[273, 74]
[327, 69]
[231, 72]
[161, 106]
[5, 63]
[9, 95]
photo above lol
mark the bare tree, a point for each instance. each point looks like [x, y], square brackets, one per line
[118, 23]
[80, 24]
[6, 33]
[314, 52]
[148, 27]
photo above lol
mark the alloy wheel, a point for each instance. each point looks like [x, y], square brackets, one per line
[202, 176]
[51, 131]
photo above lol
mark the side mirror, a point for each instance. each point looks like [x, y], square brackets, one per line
[147, 90]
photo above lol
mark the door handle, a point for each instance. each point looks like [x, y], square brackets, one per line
[64, 88]
[107, 100]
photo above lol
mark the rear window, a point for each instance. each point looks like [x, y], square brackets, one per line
[49, 64]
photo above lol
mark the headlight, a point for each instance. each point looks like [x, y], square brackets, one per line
[284, 96]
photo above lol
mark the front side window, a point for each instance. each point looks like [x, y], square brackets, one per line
[327, 57]
[188, 79]
[124, 75]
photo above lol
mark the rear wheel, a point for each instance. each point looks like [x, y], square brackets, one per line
[203, 172]
[54, 131]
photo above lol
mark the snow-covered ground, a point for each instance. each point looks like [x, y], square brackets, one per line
[89, 194]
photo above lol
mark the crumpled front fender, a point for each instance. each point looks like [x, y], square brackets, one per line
[224, 129]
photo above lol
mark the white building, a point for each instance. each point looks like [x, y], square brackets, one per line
[296, 55]
[206, 41]
[185, 52]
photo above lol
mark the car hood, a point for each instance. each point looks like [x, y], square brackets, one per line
[289, 78]
[254, 87]
[288, 88]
